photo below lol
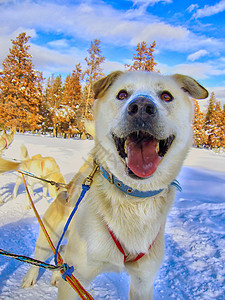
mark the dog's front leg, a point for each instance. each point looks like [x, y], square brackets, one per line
[54, 220]
[31, 191]
[142, 275]
[44, 195]
[18, 183]
[140, 289]
[42, 252]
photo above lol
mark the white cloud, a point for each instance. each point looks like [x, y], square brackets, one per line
[192, 7]
[101, 21]
[54, 61]
[150, 2]
[219, 93]
[208, 10]
[198, 54]
[110, 66]
[90, 20]
[198, 71]
[62, 43]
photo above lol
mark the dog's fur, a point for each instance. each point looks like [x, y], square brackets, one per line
[7, 165]
[42, 167]
[136, 222]
[6, 139]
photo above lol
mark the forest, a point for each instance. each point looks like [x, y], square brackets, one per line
[31, 103]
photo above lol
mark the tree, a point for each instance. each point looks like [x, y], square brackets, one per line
[200, 136]
[214, 124]
[143, 58]
[52, 100]
[218, 136]
[72, 98]
[91, 74]
[21, 88]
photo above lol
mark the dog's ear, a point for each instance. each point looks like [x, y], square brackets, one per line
[101, 86]
[191, 86]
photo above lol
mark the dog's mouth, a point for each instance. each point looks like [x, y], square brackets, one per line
[142, 152]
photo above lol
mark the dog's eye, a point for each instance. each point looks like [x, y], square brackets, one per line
[166, 96]
[122, 95]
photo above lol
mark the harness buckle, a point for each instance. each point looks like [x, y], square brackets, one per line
[89, 179]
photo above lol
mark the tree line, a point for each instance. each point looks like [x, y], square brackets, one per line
[209, 126]
[28, 102]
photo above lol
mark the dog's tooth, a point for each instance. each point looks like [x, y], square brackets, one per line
[157, 147]
[125, 147]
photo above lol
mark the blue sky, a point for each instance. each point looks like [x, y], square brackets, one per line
[189, 35]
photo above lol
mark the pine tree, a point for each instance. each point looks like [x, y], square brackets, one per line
[200, 136]
[52, 100]
[218, 137]
[92, 73]
[72, 98]
[21, 87]
[143, 58]
[214, 125]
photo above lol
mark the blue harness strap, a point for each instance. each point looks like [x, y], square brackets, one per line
[85, 188]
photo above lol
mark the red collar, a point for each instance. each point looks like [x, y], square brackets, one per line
[120, 248]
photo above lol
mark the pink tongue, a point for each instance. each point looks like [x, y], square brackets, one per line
[142, 157]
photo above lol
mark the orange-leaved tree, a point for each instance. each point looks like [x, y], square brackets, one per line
[52, 99]
[91, 74]
[200, 136]
[214, 124]
[143, 59]
[72, 98]
[21, 88]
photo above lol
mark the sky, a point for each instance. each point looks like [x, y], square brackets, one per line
[189, 35]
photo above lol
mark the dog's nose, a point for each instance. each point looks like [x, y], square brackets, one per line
[142, 107]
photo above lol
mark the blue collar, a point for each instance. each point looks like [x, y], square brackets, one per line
[128, 190]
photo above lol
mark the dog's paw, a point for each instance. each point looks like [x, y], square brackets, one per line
[30, 278]
[56, 275]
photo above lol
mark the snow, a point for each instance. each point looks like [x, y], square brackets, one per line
[194, 264]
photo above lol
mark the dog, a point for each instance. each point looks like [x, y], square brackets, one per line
[6, 140]
[142, 136]
[6, 166]
[43, 167]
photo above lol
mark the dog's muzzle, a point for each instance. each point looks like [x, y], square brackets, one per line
[141, 142]
[141, 110]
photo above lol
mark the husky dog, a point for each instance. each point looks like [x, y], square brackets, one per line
[142, 136]
[42, 167]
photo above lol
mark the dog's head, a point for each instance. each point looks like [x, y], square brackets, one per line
[143, 123]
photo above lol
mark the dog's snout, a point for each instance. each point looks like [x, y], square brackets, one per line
[142, 107]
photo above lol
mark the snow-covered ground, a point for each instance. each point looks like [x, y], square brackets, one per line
[194, 265]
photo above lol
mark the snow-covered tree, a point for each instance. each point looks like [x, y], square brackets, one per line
[200, 136]
[214, 124]
[20, 87]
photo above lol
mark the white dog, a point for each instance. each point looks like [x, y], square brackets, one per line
[142, 136]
